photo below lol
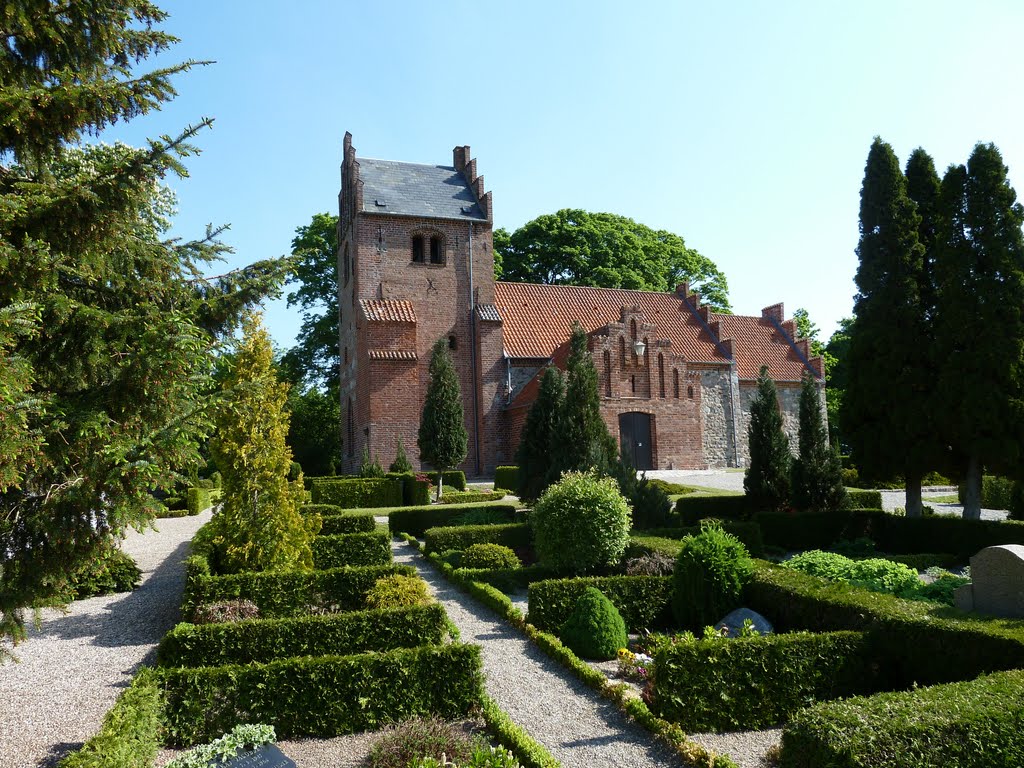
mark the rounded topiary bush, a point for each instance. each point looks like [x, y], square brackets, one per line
[711, 571]
[594, 629]
[489, 556]
[397, 592]
[581, 523]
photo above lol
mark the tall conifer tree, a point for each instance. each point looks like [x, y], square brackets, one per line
[980, 270]
[106, 326]
[259, 526]
[539, 434]
[442, 438]
[817, 471]
[767, 479]
[582, 440]
[886, 414]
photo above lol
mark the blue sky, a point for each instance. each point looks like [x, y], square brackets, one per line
[742, 126]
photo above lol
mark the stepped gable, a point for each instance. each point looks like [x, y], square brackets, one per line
[537, 319]
[413, 189]
[765, 340]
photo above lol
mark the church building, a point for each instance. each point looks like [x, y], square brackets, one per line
[416, 264]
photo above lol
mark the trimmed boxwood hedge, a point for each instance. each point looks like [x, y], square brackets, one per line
[643, 601]
[747, 531]
[692, 509]
[416, 520]
[263, 640]
[349, 522]
[974, 724]
[918, 642]
[130, 734]
[512, 535]
[358, 492]
[414, 492]
[453, 478]
[891, 533]
[343, 549]
[507, 579]
[285, 593]
[324, 510]
[322, 696]
[860, 498]
[757, 682]
[467, 497]
[507, 478]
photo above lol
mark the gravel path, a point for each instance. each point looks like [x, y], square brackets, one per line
[74, 666]
[579, 728]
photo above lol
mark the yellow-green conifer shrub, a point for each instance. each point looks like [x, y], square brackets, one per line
[259, 526]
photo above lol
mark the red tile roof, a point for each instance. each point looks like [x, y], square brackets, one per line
[392, 354]
[538, 318]
[388, 310]
[756, 342]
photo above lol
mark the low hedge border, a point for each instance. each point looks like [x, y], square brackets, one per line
[130, 733]
[351, 549]
[758, 682]
[507, 478]
[749, 532]
[322, 696]
[529, 753]
[919, 642]
[264, 640]
[643, 601]
[859, 498]
[891, 533]
[357, 492]
[508, 579]
[285, 593]
[621, 695]
[348, 522]
[973, 724]
[199, 499]
[416, 520]
[693, 509]
[465, 497]
[453, 478]
[511, 535]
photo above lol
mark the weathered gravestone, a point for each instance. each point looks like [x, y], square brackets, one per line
[267, 756]
[731, 625]
[997, 583]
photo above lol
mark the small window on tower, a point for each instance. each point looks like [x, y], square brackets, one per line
[418, 249]
[436, 252]
[452, 344]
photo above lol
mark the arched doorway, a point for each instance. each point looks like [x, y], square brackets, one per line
[635, 439]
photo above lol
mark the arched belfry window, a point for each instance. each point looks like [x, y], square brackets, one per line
[661, 375]
[419, 250]
[607, 373]
[436, 250]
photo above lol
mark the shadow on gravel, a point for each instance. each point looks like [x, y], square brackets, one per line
[57, 753]
[140, 617]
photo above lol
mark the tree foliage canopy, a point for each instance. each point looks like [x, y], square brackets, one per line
[540, 436]
[817, 480]
[106, 326]
[767, 479]
[574, 247]
[442, 437]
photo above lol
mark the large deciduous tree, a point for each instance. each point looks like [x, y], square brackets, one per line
[581, 441]
[442, 437]
[106, 326]
[767, 479]
[259, 526]
[574, 247]
[315, 355]
[980, 318]
[539, 436]
[888, 400]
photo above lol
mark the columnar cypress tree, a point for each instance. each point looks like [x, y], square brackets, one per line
[766, 481]
[581, 441]
[259, 526]
[442, 437]
[401, 462]
[817, 471]
[980, 269]
[886, 408]
[534, 453]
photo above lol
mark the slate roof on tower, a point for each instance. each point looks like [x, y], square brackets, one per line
[412, 189]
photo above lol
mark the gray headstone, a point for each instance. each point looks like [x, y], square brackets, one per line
[733, 623]
[997, 581]
[267, 756]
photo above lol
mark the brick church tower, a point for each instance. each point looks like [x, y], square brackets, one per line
[415, 264]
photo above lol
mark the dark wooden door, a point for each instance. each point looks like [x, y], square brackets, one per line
[635, 439]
